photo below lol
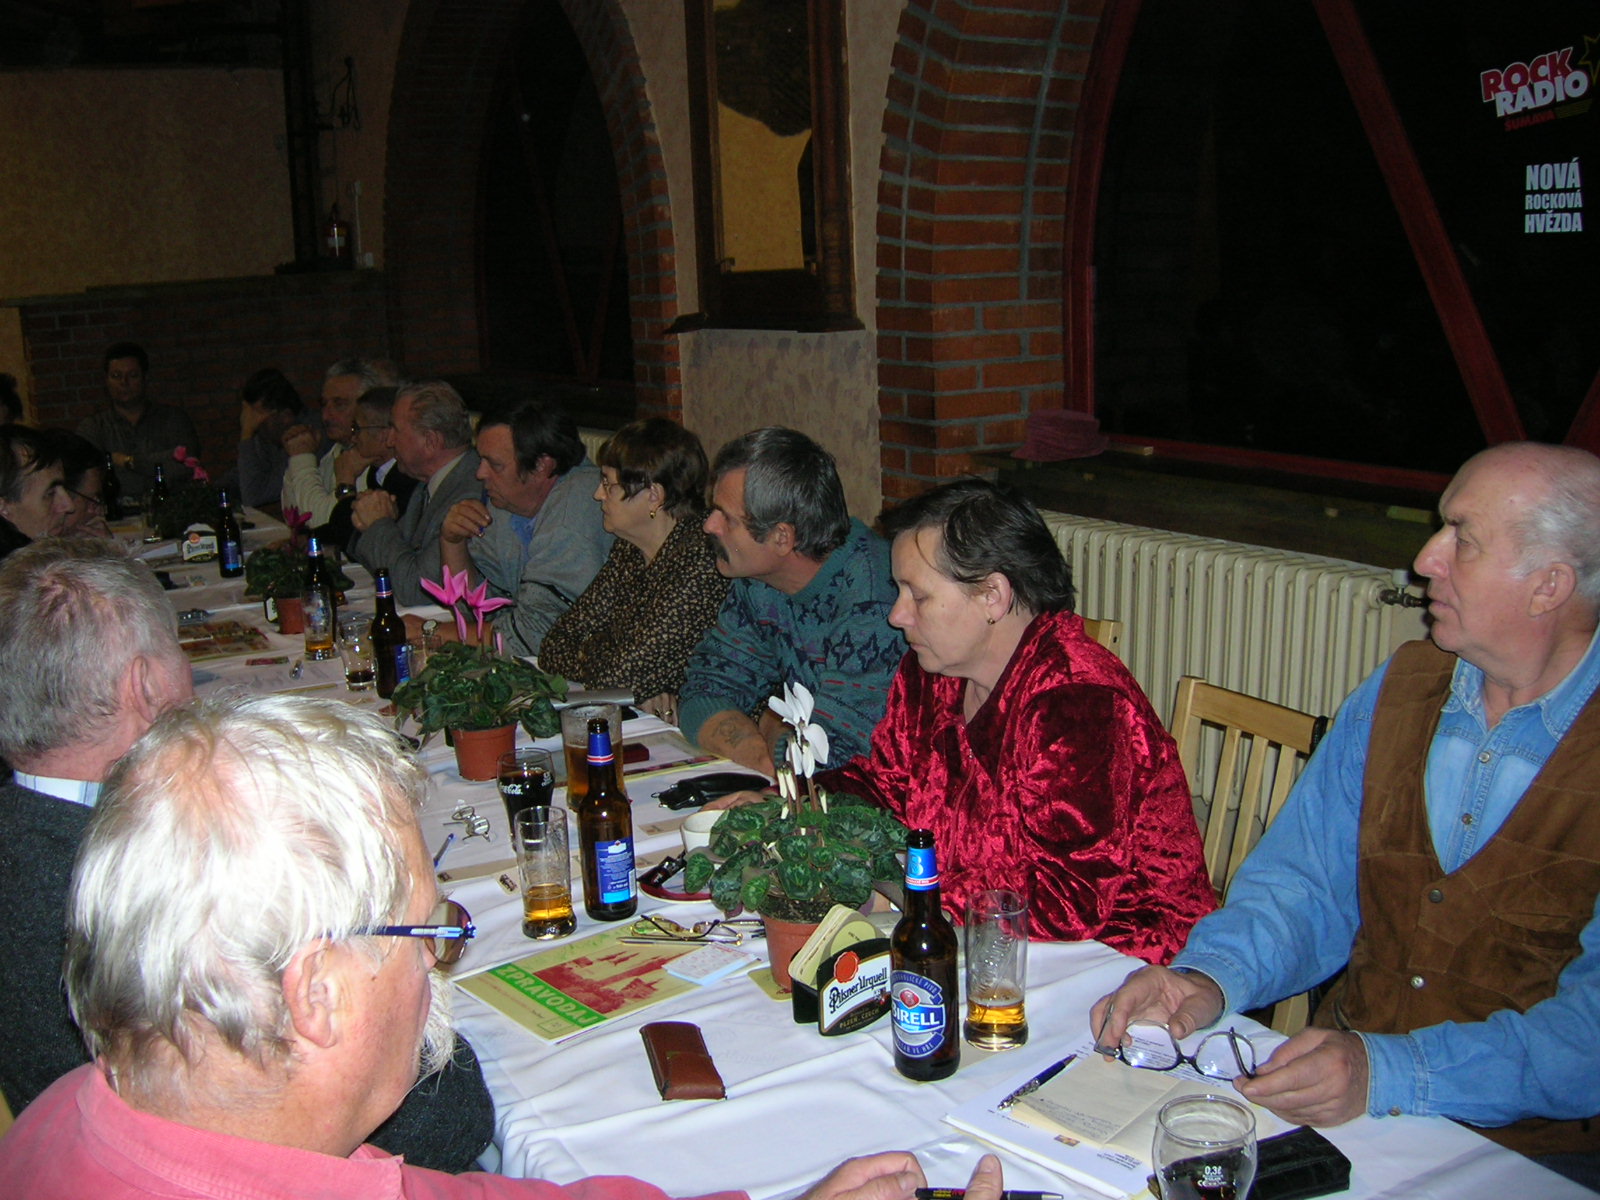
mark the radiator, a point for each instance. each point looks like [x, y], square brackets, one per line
[1295, 629]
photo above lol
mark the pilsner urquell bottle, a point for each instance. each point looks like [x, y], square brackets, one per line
[922, 973]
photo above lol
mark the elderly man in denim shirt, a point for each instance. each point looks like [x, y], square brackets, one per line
[1444, 843]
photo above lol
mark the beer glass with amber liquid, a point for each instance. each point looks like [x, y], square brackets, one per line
[540, 837]
[997, 970]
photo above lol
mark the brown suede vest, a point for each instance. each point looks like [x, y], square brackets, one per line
[1496, 933]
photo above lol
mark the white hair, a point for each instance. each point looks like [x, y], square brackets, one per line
[234, 833]
[1566, 522]
[74, 614]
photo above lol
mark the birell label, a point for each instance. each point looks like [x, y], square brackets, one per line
[919, 1025]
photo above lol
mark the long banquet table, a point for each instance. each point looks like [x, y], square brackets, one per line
[797, 1103]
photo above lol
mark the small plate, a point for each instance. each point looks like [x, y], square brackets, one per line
[672, 891]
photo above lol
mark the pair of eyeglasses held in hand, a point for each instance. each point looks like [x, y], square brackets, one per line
[449, 928]
[1225, 1054]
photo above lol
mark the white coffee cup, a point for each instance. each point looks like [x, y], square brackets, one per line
[697, 829]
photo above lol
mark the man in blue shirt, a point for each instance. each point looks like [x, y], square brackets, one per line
[1467, 917]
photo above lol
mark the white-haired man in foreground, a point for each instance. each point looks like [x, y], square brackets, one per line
[259, 994]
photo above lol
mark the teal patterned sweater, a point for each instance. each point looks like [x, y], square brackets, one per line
[833, 636]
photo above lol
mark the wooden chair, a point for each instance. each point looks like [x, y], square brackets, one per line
[1248, 738]
[1107, 633]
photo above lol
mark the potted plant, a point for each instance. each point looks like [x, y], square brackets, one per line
[276, 574]
[467, 690]
[794, 856]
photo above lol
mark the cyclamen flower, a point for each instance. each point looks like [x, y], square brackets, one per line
[809, 746]
[447, 592]
[181, 454]
[482, 606]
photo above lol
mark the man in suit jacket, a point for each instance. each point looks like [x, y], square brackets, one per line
[89, 658]
[433, 445]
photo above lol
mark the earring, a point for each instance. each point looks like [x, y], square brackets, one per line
[990, 620]
[654, 511]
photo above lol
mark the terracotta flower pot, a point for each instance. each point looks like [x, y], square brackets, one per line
[784, 939]
[291, 612]
[478, 751]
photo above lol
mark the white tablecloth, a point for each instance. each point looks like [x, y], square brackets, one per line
[799, 1103]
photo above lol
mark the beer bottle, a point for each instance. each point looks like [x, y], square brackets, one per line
[230, 543]
[156, 503]
[321, 609]
[605, 834]
[922, 972]
[110, 489]
[390, 653]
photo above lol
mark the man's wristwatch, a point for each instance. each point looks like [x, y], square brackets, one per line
[344, 490]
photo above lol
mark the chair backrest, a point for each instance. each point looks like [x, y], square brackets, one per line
[1107, 633]
[1253, 735]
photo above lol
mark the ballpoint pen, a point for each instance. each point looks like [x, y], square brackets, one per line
[959, 1193]
[443, 846]
[1037, 1082]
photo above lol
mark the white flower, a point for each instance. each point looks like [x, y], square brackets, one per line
[809, 746]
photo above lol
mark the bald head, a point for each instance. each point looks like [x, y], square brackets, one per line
[1556, 494]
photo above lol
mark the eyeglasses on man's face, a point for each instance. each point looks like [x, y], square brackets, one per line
[370, 428]
[446, 934]
[1225, 1054]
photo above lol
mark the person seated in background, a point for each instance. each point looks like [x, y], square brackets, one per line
[811, 588]
[535, 532]
[1026, 747]
[33, 502]
[259, 1004]
[372, 440]
[1442, 847]
[89, 658]
[432, 444]
[10, 400]
[659, 590]
[138, 434]
[320, 462]
[268, 406]
[83, 477]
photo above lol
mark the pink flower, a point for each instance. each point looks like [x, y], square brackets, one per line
[181, 454]
[297, 521]
[451, 588]
[482, 606]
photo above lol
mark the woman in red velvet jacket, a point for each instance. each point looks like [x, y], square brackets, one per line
[1025, 746]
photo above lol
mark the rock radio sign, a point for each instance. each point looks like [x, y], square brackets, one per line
[1528, 93]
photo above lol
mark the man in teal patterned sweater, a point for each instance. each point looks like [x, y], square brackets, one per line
[809, 604]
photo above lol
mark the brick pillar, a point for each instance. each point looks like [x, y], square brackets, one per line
[983, 95]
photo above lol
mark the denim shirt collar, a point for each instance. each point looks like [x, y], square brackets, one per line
[1558, 708]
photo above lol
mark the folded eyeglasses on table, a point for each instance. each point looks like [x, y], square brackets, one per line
[723, 930]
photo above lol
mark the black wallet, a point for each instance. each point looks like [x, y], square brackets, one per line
[1298, 1165]
[702, 789]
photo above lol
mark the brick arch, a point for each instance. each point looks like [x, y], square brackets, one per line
[983, 97]
[451, 55]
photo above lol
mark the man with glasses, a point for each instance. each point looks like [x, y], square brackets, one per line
[372, 440]
[264, 994]
[1443, 847]
[89, 658]
[313, 478]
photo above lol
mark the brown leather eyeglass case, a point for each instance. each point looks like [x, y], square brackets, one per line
[680, 1061]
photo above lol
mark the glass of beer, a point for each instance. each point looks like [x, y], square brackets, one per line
[1205, 1149]
[527, 779]
[997, 970]
[575, 742]
[355, 648]
[540, 837]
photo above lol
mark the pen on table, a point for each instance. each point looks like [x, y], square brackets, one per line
[443, 846]
[959, 1193]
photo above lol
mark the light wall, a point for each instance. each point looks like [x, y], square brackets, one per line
[824, 384]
